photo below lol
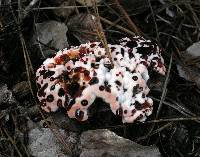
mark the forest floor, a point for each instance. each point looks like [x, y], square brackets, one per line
[173, 24]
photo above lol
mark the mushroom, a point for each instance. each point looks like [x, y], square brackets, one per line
[75, 77]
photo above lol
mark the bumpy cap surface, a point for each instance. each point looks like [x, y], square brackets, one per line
[75, 77]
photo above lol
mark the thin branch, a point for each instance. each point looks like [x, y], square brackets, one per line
[24, 147]
[67, 7]
[117, 26]
[163, 95]
[13, 142]
[173, 120]
[102, 35]
[56, 133]
[154, 19]
[131, 24]
[164, 88]
[28, 64]
[177, 107]
[29, 8]
[154, 132]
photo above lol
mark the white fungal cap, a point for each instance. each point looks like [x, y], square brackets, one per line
[75, 77]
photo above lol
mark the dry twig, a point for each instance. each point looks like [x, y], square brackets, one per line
[131, 24]
[163, 96]
[102, 35]
[117, 26]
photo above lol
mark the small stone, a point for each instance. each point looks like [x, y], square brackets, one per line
[21, 89]
[88, 2]
[97, 143]
[52, 34]
[65, 12]
[190, 71]
[43, 142]
[87, 24]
